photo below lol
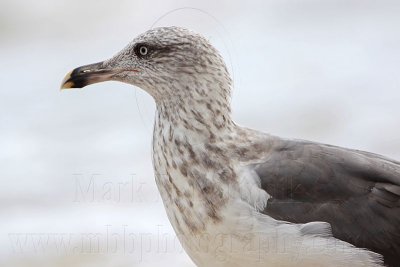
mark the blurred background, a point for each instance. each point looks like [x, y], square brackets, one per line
[77, 185]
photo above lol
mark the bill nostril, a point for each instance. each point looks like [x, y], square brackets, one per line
[83, 71]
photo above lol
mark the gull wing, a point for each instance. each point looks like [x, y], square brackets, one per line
[357, 192]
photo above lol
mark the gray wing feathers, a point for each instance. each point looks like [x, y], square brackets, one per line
[357, 192]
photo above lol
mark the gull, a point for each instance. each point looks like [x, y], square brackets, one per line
[239, 197]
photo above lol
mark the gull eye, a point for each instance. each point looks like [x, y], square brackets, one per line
[143, 50]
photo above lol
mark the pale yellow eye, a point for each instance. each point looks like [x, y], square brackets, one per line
[143, 50]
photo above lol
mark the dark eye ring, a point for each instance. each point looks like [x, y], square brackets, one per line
[143, 50]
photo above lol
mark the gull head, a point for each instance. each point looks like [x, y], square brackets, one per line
[170, 63]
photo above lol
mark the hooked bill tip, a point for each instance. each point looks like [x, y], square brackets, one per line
[67, 82]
